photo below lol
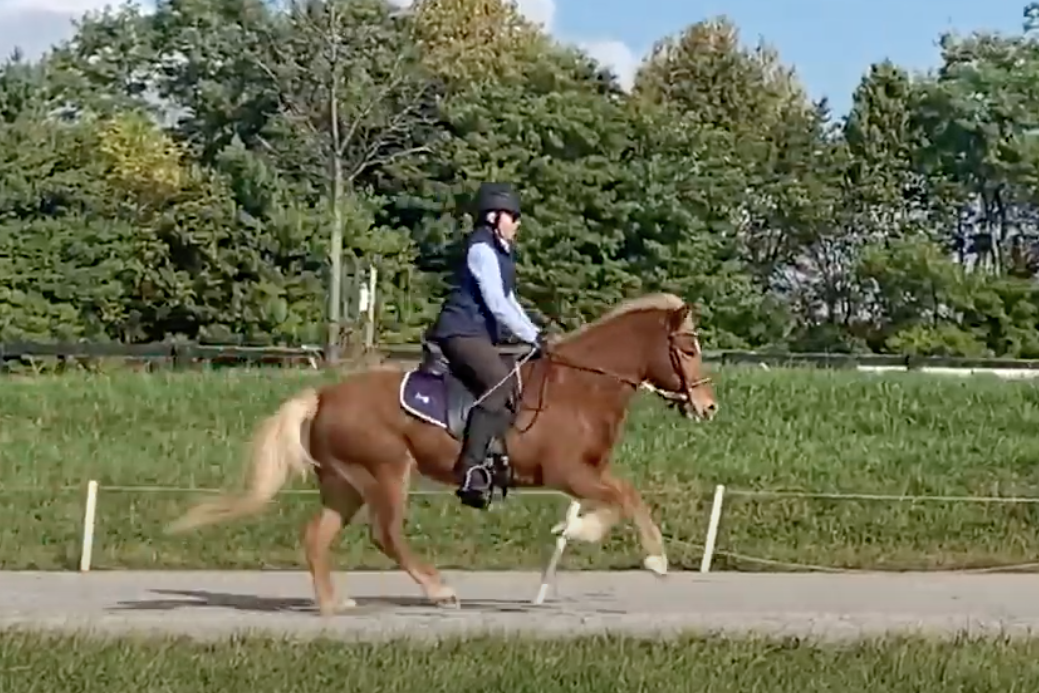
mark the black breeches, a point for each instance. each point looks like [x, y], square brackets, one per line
[479, 365]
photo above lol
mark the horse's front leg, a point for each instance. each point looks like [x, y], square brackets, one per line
[613, 498]
[592, 525]
[650, 536]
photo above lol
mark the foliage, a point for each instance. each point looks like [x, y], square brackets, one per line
[190, 172]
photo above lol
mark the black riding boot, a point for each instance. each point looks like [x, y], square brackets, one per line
[472, 468]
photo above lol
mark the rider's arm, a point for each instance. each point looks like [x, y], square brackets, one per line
[484, 267]
[521, 310]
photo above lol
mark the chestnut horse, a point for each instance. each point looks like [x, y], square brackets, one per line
[362, 436]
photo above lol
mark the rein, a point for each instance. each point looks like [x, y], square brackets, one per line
[674, 398]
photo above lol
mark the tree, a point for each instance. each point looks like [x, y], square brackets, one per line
[707, 77]
[471, 41]
[980, 116]
[353, 100]
[704, 71]
[189, 173]
[141, 162]
[885, 186]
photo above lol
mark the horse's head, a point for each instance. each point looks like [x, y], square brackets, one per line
[674, 367]
[647, 342]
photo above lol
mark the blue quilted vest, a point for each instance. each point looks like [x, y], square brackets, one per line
[464, 312]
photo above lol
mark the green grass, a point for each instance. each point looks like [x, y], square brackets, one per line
[31, 663]
[782, 429]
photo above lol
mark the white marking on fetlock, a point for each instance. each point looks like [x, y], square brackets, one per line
[589, 528]
[656, 564]
[339, 607]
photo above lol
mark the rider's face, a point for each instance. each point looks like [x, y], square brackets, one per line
[507, 226]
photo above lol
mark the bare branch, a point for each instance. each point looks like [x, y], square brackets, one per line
[378, 161]
[348, 89]
[397, 79]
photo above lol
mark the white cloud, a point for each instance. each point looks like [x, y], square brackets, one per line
[541, 12]
[69, 7]
[615, 54]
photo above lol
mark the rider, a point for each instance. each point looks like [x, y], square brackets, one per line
[473, 319]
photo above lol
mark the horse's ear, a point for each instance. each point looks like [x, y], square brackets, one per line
[679, 315]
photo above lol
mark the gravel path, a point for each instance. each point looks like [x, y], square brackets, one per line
[209, 604]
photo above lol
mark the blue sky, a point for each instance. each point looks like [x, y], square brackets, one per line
[830, 43]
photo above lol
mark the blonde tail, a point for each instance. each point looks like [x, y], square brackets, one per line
[277, 448]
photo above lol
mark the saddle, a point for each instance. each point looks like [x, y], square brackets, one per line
[434, 394]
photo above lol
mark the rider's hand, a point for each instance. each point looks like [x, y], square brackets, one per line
[541, 345]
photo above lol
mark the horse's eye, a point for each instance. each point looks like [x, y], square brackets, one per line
[688, 345]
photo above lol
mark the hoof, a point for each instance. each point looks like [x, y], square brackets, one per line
[656, 564]
[339, 607]
[448, 603]
[445, 598]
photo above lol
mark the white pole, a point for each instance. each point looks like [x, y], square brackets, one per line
[362, 299]
[549, 572]
[87, 548]
[373, 285]
[369, 327]
[712, 529]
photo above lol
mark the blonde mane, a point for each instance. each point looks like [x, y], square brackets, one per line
[658, 301]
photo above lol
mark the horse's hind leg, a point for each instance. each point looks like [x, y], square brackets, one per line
[387, 500]
[340, 502]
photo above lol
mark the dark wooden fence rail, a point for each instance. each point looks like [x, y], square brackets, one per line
[177, 353]
[185, 353]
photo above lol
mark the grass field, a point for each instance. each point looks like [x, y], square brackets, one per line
[795, 430]
[31, 663]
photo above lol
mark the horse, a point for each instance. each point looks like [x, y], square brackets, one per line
[363, 436]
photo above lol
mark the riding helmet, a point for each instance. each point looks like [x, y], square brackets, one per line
[497, 197]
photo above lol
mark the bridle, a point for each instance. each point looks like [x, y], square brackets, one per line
[681, 399]
[676, 399]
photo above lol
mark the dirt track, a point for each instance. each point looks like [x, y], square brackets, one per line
[207, 604]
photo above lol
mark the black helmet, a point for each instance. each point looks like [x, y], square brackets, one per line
[497, 197]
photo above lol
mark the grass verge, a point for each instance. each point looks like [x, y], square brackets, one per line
[47, 663]
[783, 429]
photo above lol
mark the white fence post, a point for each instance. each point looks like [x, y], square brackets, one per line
[89, 513]
[712, 528]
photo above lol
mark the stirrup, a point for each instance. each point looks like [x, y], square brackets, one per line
[488, 479]
[478, 498]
